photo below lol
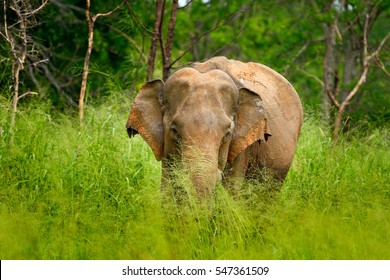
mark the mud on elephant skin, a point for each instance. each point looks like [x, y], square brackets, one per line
[220, 116]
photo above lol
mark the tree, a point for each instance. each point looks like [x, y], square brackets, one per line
[347, 60]
[219, 20]
[367, 60]
[157, 39]
[167, 49]
[91, 23]
[16, 32]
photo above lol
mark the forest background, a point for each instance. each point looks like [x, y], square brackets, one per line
[73, 186]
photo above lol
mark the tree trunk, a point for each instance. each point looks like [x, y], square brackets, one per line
[344, 104]
[91, 22]
[330, 74]
[352, 54]
[15, 98]
[18, 64]
[86, 63]
[168, 47]
[155, 37]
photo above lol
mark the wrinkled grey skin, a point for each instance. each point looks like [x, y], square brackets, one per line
[220, 116]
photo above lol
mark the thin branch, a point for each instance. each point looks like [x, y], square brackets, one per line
[134, 43]
[351, 23]
[333, 98]
[299, 53]
[27, 93]
[382, 43]
[4, 59]
[7, 35]
[361, 81]
[95, 17]
[45, 60]
[365, 44]
[5, 19]
[57, 86]
[380, 64]
[236, 37]
[304, 47]
[5, 38]
[37, 9]
[338, 33]
[311, 76]
[32, 76]
[143, 29]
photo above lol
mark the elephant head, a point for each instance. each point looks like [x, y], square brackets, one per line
[203, 118]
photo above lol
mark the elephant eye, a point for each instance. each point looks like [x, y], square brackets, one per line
[227, 136]
[174, 133]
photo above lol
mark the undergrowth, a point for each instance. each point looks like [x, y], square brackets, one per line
[93, 193]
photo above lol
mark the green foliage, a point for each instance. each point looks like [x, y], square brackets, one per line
[94, 194]
[288, 36]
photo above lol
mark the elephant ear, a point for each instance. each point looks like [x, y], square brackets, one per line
[146, 117]
[251, 123]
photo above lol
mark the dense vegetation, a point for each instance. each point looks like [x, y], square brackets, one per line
[95, 194]
[71, 192]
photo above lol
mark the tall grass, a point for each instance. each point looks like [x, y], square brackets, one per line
[95, 194]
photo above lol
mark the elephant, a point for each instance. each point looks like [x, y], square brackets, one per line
[223, 118]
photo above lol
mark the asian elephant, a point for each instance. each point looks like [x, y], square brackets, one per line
[221, 116]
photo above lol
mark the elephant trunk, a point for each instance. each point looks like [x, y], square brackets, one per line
[202, 166]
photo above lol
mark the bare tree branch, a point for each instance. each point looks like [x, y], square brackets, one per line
[311, 76]
[30, 13]
[362, 80]
[21, 46]
[144, 30]
[380, 64]
[27, 93]
[5, 20]
[95, 17]
[299, 53]
[57, 86]
[134, 43]
[382, 43]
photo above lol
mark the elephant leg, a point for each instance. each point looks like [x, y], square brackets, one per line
[252, 164]
[236, 173]
[261, 169]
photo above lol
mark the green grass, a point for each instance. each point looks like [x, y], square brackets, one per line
[94, 194]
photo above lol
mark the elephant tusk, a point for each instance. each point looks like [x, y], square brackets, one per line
[219, 175]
